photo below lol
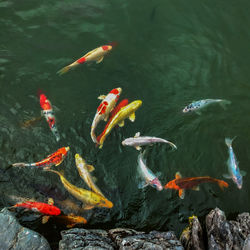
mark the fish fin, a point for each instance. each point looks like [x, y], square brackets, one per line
[63, 70]
[158, 174]
[90, 168]
[222, 184]
[243, 173]
[101, 97]
[100, 59]
[45, 219]
[229, 141]
[138, 147]
[121, 123]
[20, 164]
[198, 112]
[71, 225]
[50, 201]
[227, 176]
[42, 114]
[196, 188]
[59, 163]
[132, 117]
[137, 134]
[106, 117]
[223, 104]
[182, 193]
[94, 179]
[142, 185]
[177, 175]
[87, 207]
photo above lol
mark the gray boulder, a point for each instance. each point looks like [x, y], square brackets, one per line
[15, 237]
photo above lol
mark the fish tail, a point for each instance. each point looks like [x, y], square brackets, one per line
[224, 103]
[172, 145]
[222, 184]
[229, 141]
[64, 70]
[20, 164]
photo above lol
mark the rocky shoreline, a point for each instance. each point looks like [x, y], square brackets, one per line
[217, 233]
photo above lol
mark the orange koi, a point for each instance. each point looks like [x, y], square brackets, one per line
[71, 220]
[53, 159]
[95, 55]
[181, 184]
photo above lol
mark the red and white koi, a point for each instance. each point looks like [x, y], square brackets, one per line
[104, 109]
[53, 159]
[49, 115]
[95, 55]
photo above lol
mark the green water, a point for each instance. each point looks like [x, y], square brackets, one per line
[168, 54]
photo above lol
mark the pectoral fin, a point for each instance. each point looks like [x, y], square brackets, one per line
[182, 193]
[227, 176]
[243, 173]
[196, 188]
[142, 185]
[177, 175]
[100, 60]
[45, 219]
[138, 147]
[58, 163]
[121, 123]
[101, 97]
[71, 225]
[198, 112]
[132, 117]
[87, 207]
[90, 168]
[50, 201]
[106, 117]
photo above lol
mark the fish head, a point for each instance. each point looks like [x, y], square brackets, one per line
[135, 104]
[105, 203]
[116, 91]
[78, 158]
[156, 184]
[127, 142]
[170, 185]
[107, 47]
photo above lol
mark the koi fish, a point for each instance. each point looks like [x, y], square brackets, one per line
[49, 115]
[148, 176]
[30, 122]
[84, 171]
[121, 104]
[104, 109]
[181, 184]
[90, 198]
[71, 220]
[41, 207]
[196, 106]
[233, 166]
[138, 141]
[125, 112]
[95, 55]
[53, 159]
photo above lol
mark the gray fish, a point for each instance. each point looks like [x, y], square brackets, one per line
[138, 141]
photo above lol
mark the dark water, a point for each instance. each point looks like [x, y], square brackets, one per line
[169, 53]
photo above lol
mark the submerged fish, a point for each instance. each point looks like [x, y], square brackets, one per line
[30, 122]
[95, 55]
[49, 115]
[196, 106]
[41, 207]
[104, 109]
[233, 167]
[148, 176]
[84, 171]
[181, 184]
[125, 112]
[90, 198]
[53, 159]
[137, 141]
[71, 220]
[121, 104]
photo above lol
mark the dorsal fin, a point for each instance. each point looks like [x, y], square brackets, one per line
[137, 135]
[90, 168]
[50, 201]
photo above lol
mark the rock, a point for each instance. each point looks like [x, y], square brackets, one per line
[128, 239]
[79, 238]
[223, 234]
[15, 237]
[192, 236]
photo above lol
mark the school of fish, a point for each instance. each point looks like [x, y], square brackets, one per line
[114, 114]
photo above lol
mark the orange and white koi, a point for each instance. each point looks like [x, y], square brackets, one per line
[181, 184]
[53, 159]
[104, 109]
[121, 104]
[49, 115]
[95, 55]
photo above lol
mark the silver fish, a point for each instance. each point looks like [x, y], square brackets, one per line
[138, 141]
[148, 176]
[196, 106]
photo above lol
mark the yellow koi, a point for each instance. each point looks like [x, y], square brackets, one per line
[90, 198]
[126, 112]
